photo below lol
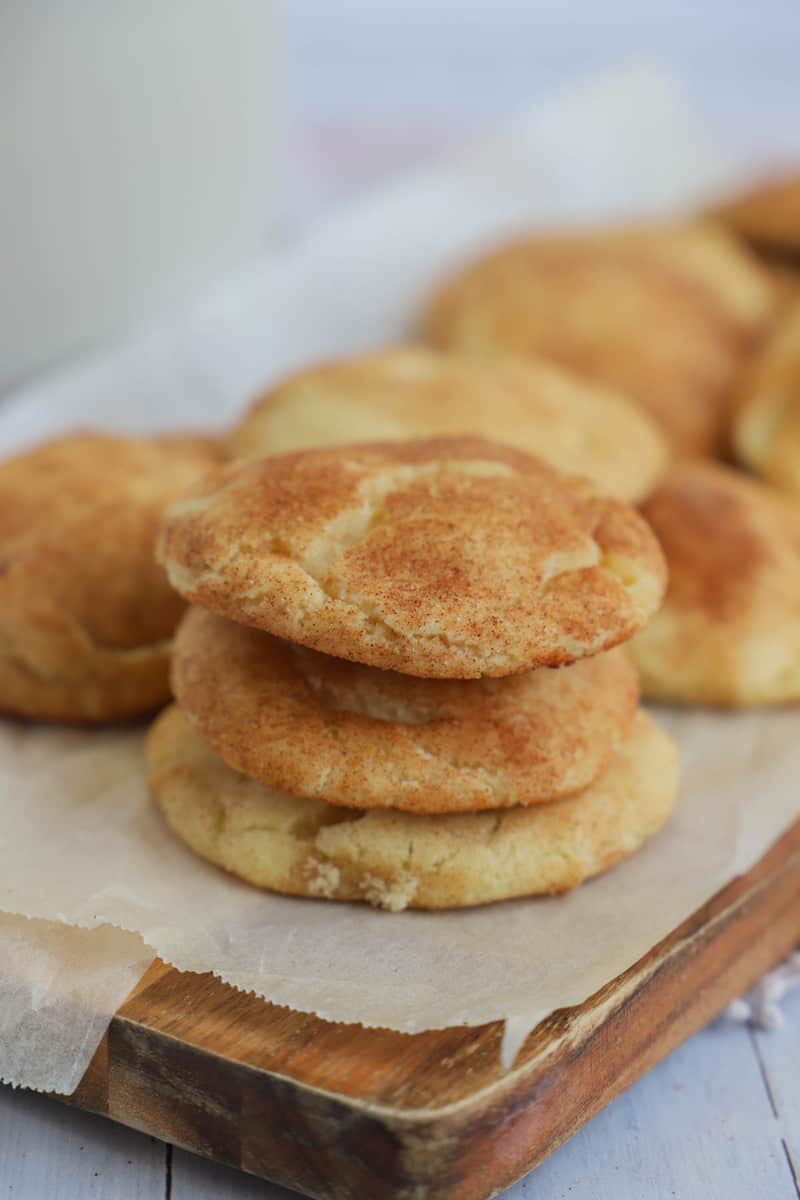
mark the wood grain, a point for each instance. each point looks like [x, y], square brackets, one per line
[341, 1112]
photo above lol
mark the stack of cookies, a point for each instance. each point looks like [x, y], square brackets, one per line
[399, 682]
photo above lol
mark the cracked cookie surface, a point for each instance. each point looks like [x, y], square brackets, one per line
[729, 630]
[446, 557]
[666, 314]
[397, 860]
[86, 614]
[575, 426]
[322, 727]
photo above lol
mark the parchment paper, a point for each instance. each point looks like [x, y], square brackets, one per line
[59, 985]
[79, 840]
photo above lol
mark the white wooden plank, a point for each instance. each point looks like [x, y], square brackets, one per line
[196, 1179]
[700, 1126]
[779, 1054]
[53, 1152]
[507, 54]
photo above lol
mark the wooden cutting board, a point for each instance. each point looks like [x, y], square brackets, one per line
[345, 1113]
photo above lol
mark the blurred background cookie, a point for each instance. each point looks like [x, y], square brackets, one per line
[766, 421]
[449, 557]
[396, 860]
[322, 727]
[575, 426]
[767, 217]
[667, 315]
[728, 632]
[86, 614]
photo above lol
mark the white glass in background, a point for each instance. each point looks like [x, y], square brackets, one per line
[137, 139]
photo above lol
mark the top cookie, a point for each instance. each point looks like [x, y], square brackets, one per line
[665, 314]
[85, 611]
[767, 216]
[766, 423]
[449, 557]
[580, 428]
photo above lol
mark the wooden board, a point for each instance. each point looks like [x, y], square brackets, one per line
[345, 1113]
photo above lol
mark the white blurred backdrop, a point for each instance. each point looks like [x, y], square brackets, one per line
[376, 84]
[140, 139]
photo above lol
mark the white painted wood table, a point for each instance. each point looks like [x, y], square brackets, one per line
[718, 1120]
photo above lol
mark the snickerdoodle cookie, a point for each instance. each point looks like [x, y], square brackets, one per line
[397, 860]
[766, 423]
[86, 614]
[665, 314]
[447, 557]
[767, 216]
[323, 727]
[729, 630]
[579, 427]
